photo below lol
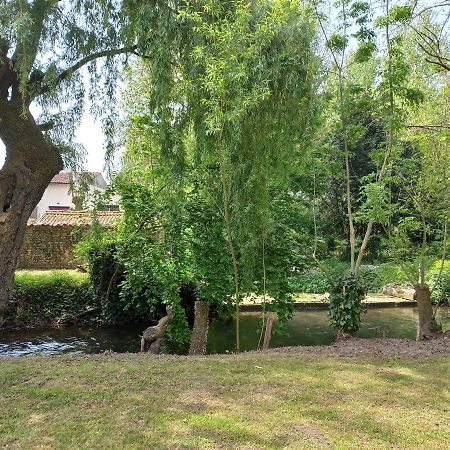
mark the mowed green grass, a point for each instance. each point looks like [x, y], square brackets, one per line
[248, 401]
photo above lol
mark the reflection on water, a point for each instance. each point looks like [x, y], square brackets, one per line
[306, 328]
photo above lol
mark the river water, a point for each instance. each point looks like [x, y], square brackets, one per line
[306, 328]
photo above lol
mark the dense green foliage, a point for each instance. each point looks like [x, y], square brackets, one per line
[206, 199]
[242, 177]
[374, 277]
[439, 279]
[50, 298]
[346, 303]
[252, 165]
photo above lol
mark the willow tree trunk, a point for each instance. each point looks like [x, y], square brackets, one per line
[200, 331]
[31, 162]
[428, 327]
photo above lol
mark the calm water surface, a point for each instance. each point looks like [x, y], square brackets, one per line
[306, 328]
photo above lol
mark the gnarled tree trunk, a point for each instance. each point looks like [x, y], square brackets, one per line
[428, 328]
[31, 162]
[199, 337]
[152, 337]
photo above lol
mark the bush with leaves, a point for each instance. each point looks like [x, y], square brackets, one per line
[346, 303]
[439, 279]
[141, 266]
[42, 298]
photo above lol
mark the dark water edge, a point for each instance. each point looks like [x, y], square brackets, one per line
[306, 328]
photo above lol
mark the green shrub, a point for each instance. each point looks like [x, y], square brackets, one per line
[374, 277]
[346, 303]
[440, 282]
[49, 297]
[315, 281]
[133, 276]
[390, 273]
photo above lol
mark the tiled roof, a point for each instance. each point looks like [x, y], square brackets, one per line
[75, 218]
[66, 177]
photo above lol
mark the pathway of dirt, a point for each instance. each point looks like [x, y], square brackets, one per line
[379, 347]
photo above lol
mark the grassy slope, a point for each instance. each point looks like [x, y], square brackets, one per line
[49, 297]
[246, 401]
[36, 278]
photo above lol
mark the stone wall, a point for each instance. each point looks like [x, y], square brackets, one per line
[50, 247]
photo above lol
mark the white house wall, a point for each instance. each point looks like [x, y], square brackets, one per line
[60, 195]
[55, 195]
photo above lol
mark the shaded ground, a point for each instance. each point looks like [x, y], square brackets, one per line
[294, 398]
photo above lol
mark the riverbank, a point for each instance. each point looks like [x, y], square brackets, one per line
[303, 301]
[53, 298]
[290, 398]
[50, 298]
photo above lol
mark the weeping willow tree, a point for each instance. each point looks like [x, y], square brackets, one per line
[44, 46]
[230, 94]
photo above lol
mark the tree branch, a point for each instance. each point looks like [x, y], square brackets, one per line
[47, 126]
[430, 45]
[67, 73]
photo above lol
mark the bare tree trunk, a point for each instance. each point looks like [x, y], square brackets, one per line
[31, 162]
[268, 332]
[200, 332]
[428, 328]
[339, 334]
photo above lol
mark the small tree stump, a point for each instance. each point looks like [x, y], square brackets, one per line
[200, 331]
[152, 336]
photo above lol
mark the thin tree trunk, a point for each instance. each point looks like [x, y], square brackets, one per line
[200, 332]
[389, 144]
[352, 233]
[31, 162]
[428, 326]
[227, 220]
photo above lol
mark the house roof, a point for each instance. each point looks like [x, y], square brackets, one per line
[67, 177]
[76, 218]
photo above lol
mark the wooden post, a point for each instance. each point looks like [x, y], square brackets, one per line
[268, 331]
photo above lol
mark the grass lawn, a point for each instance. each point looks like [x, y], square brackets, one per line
[39, 277]
[249, 401]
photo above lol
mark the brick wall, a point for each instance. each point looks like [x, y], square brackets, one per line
[50, 247]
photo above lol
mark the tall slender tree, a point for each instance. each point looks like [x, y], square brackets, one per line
[389, 90]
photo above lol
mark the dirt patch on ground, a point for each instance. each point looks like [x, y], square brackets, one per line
[354, 347]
